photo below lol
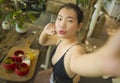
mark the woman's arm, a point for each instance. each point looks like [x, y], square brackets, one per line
[105, 61]
[48, 35]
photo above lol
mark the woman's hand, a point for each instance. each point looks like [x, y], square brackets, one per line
[48, 35]
[114, 43]
[112, 51]
[50, 29]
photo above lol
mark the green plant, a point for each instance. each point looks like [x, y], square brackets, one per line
[20, 17]
[41, 4]
[14, 13]
[5, 7]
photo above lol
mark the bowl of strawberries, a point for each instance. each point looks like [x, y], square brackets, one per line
[22, 69]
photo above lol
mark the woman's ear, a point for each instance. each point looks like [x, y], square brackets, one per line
[79, 26]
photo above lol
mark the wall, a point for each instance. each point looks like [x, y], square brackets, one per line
[54, 5]
[112, 7]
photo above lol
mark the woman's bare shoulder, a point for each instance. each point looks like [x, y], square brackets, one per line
[77, 50]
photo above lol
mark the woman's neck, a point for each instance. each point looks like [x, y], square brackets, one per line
[67, 41]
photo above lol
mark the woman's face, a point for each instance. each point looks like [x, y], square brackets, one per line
[66, 23]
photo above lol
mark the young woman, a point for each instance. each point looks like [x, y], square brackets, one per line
[68, 59]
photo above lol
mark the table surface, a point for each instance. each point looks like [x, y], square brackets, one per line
[10, 38]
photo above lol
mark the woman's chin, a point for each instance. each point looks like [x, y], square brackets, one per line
[61, 36]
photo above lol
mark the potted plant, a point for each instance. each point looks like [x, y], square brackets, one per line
[16, 15]
[19, 16]
[18, 19]
[5, 8]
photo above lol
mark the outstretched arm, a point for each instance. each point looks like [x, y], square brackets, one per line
[105, 61]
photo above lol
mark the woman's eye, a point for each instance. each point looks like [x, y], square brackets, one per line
[70, 20]
[59, 19]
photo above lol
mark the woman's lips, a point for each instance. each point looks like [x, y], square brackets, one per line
[61, 32]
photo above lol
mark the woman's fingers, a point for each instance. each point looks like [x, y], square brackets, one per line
[50, 29]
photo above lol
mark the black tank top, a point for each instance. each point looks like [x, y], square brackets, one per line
[60, 75]
[59, 72]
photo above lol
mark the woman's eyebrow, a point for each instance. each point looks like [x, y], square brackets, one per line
[59, 15]
[69, 17]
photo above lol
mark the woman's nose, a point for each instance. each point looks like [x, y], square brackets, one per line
[62, 24]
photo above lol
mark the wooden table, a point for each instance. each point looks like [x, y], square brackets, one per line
[11, 38]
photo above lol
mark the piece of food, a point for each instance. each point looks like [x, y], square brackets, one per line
[9, 63]
[22, 69]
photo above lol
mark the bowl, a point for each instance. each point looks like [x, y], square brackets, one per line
[9, 63]
[19, 53]
[17, 59]
[22, 69]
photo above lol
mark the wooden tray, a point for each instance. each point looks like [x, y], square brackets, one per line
[14, 77]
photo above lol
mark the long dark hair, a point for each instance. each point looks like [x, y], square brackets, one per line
[78, 11]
